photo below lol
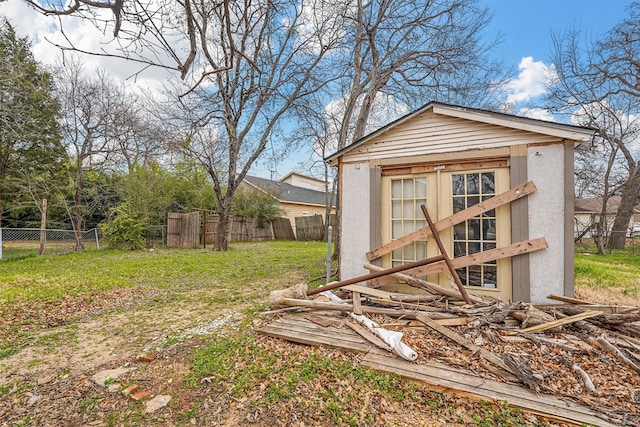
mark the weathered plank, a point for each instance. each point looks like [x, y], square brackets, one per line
[443, 378]
[471, 212]
[487, 355]
[560, 322]
[305, 332]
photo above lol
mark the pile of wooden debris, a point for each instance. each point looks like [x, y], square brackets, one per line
[530, 356]
[579, 361]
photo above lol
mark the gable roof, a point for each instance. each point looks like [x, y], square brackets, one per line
[285, 192]
[554, 129]
[292, 174]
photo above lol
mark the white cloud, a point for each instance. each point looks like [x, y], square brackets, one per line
[531, 81]
[537, 113]
[44, 32]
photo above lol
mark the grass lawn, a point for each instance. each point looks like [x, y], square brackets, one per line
[608, 279]
[28, 277]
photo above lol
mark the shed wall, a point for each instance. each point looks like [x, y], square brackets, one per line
[545, 167]
[355, 226]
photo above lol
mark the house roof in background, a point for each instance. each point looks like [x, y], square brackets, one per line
[285, 192]
[594, 205]
[290, 174]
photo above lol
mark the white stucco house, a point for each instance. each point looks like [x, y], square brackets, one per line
[450, 158]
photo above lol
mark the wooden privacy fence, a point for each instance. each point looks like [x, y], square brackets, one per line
[183, 230]
[282, 229]
[241, 229]
[187, 230]
[310, 228]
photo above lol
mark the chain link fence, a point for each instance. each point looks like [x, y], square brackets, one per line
[17, 242]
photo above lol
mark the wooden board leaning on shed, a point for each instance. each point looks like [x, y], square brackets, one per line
[466, 261]
[473, 211]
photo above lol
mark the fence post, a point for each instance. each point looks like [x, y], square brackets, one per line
[329, 244]
[0, 242]
[95, 232]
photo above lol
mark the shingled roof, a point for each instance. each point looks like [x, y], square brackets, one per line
[594, 205]
[285, 192]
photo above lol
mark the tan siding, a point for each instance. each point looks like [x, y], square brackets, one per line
[293, 210]
[431, 133]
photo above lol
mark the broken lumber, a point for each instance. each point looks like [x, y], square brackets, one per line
[392, 338]
[487, 355]
[588, 384]
[332, 306]
[473, 259]
[569, 300]
[602, 342]
[369, 336]
[473, 211]
[384, 272]
[427, 285]
[443, 252]
[560, 322]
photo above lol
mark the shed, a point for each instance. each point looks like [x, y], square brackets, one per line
[449, 158]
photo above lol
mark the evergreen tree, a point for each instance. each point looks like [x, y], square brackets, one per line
[29, 140]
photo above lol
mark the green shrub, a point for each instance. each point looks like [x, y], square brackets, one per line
[123, 230]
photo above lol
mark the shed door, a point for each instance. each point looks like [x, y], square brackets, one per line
[445, 193]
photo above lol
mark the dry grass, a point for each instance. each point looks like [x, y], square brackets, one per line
[609, 279]
[613, 296]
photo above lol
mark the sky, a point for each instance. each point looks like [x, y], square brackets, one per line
[523, 26]
[525, 29]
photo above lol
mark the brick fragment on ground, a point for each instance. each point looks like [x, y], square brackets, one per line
[127, 391]
[139, 395]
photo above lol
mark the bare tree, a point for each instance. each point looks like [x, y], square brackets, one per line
[601, 80]
[96, 119]
[252, 62]
[272, 62]
[415, 51]
[399, 55]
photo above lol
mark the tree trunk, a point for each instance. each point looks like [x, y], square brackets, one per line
[628, 200]
[601, 227]
[222, 238]
[77, 227]
[43, 227]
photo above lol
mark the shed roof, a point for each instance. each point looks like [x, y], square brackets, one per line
[286, 192]
[554, 129]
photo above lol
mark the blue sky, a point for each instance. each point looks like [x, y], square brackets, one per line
[526, 25]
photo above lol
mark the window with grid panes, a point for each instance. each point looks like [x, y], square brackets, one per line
[477, 234]
[407, 194]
